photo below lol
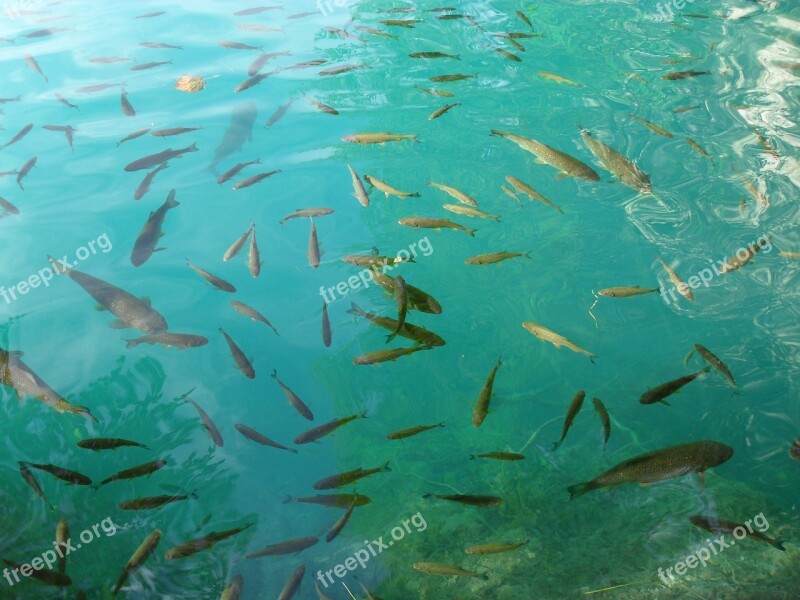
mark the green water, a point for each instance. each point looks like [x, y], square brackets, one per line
[612, 57]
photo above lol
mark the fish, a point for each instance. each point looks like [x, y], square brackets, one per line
[293, 584]
[340, 523]
[156, 159]
[238, 244]
[717, 525]
[417, 299]
[407, 23]
[288, 547]
[131, 312]
[203, 543]
[568, 166]
[734, 262]
[247, 311]
[212, 279]
[411, 431]
[320, 431]
[754, 192]
[250, 181]
[786, 254]
[108, 444]
[234, 590]
[134, 472]
[764, 143]
[307, 64]
[313, 247]
[127, 107]
[450, 77]
[375, 261]
[263, 59]
[432, 92]
[697, 148]
[557, 78]
[233, 171]
[614, 162]
[322, 107]
[242, 361]
[170, 340]
[31, 62]
[238, 46]
[468, 499]
[27, 475]
[326, 325]
[432, 223]
[433, 55]
[446, 570]
[171, 131]
[651, 126]
[548, 335]
[572, 412]
[683, 109]
[109, 60]
[152, 502]
[238, 132]
[494, 257]
[252, 434]
[66, 129]
[406, 330]
[794, 451]
[8, 207]
[256, 10]
[332, 500]
[485, 396]
[439, 112]
[401, 300]
[626, 291]
[341, 69]
[605, 420]
[293, 398]
[714, 361]
[133, 136]
[62, 541]
[387, 189]
[151, 233]
[150, 65]
[512, 456]
[494, 548]
[22, 133]
[212, 430]
[65, 102]
[254, 256]
[455, 193]
[91, 89]
[67, 475]
[46, 32]
[359, 191]
[43, 575]
[378, 138]
[306, 213]
[524, 188]
[660, 392]
[373, 31]
[26, 168]
[142, 553]
[276, 116]
[371, 358]
[674, 76]
[348, 477]
[160, 46]
[660, 465]
[682, 288]
[150, 15]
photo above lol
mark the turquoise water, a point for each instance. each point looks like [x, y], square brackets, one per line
[80, 204]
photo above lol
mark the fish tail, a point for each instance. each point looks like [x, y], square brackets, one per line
[386, 466]
[472, 231]
[472, 457]
[363, 414]
[580, 489]
[287, 499]
[777, 544]
[355, 309]
[130, 343]
[58, 266]
[498, 133]
[556, 445]
[528, 254]
[274, 374]
[427, 495]
[172, 203]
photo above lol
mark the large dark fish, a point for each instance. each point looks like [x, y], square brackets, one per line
[151, 232]
[67, 475]
[667, 463]
[134, 472]
[129, 310]
[17, 375]
[108, 444]
[240, 130]
[153, 160]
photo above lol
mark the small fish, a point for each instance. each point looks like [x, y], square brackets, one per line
[617, 164]
[697, 147]
[242, 361]
[151, 502]
[314, 434]
[31, 62]
[322, 107]
[468, 499]
[160, 46]
[431, 223]
[254, 256]
[91, 89]
[789, 254]
[511, 193]
[411, 431]
[8, 207]
[683, 109]
[127, 107]
[494, 257]
[373, 31]
[373, 260]
[26, 168]
[524, 18]
[170, 340]
[401, 300]
[524, 188]
[455, 193]
[292, 586]
[764, 143]
[108, 444]
[150, 65]
[288, 547]
[67, 475]
[46, 32]
[247, 311]
[651, 126]
[548, 335]
[717, 525]
[660, 465]
[485, 396]
[407, 23]
[293, 398]
[211, 428]
[22, 133]
[313, 247]
[387, 189]
[433, 55]
[418, 300]
[62, 541]
[234, 590]
[150, 15]
[252, 81]
[238, 46]
[432, 92]
[626, 292]
[714, 361]
[794, 451]
[212, 279]
[245, 183]
[153, 160]
[683, 75]
[133, 136]
[438, 113]
[238, 244]
[446, 570]
[66, 129]
[279, 113]
[450, 77]
[65, 102]
[682, 288]
[144, 186]
[256, 10]
[173, 131]
[660, 392]
[133, 473]
[341, 69]
[142, 553]
[204, 543]
[377, 138]
[307, 64]
[735, 262]
[263, 59]
[348, 477]
[412, 332]
[557, 78]
[27, 475]
[605, 420]
[109, 60]
[339, 525]
[326, 325]
[252, 434]
[371, 358]
[754, 192]
[572, 412]
[510, 456]
[332, 500]
[567, 165]
[359, 191]
[233, 171]
[494, 548]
